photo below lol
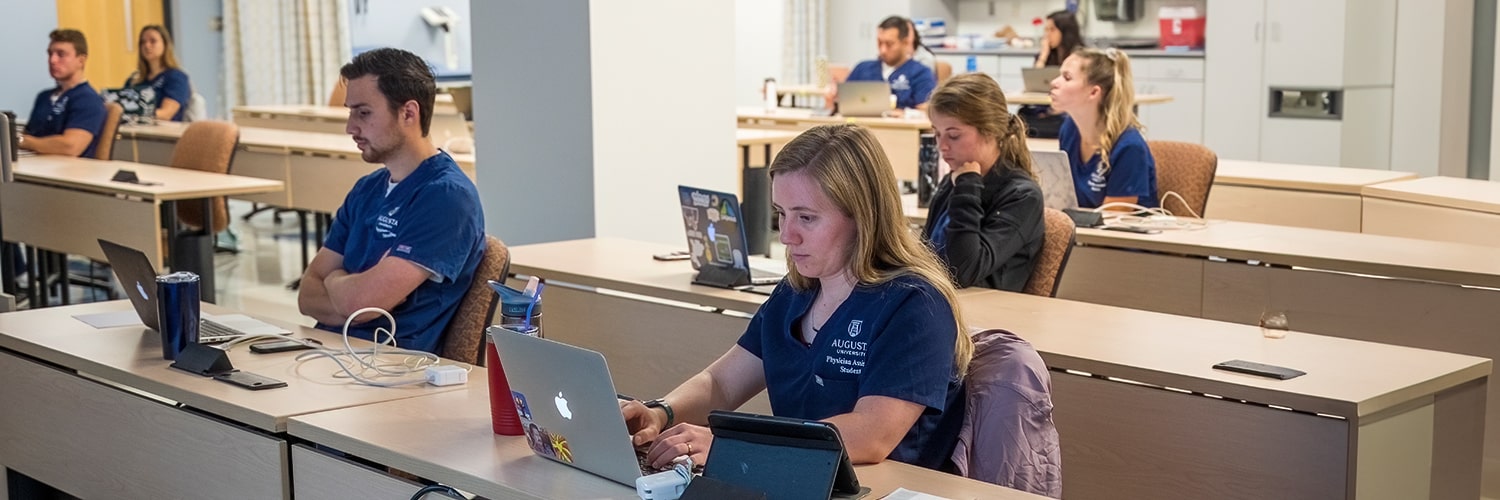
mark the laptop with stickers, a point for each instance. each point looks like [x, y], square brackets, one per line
[716, 240]
[568, 406]
[1055, 175]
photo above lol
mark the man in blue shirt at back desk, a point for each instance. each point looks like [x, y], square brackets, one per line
[66, 120]
[911, 82]
[409, 236]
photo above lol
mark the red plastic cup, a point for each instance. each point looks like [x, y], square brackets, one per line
[503, 414]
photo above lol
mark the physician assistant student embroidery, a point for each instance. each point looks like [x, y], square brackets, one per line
[849, 353]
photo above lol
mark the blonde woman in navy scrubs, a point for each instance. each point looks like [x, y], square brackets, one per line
[1101, 134]
[863, 332]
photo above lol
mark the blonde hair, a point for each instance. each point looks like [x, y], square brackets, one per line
[852, 170]
[976, 100]
[168, 56]
[1110, 70]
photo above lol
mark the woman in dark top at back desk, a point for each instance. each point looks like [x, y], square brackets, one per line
[985, 220]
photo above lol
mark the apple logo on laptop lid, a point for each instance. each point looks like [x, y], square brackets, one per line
[562, 406]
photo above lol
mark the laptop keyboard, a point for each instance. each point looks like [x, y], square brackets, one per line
[214, 333]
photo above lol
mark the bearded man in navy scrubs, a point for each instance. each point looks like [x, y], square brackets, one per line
[409, 236]
[911, 82]
[66, 120]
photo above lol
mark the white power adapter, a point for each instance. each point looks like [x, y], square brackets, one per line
[447, 375]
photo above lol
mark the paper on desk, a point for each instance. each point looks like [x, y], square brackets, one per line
[905, 494]
[110, 319]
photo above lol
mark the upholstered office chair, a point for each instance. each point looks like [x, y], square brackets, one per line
[340, 88]
[208, 146]
[463, 340]
[943, 70]
[1057, 246]
[1008, 436]
[1186, 169]
[105, 149]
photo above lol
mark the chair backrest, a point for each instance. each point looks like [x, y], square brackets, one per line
[1008, 436]
[340, 88]
[943, 70]
[1186, 169]
[1057, 246]
[463, 340]
[105, 148]
[207, 146]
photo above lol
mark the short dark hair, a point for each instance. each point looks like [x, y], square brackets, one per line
[75, 37]
[401, 76]
[898, 23]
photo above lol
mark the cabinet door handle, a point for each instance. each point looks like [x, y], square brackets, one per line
[1257, 31]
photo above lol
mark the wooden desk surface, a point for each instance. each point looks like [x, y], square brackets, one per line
[750, 136]
[1344, 377]
[807, 116]
[627, 266]
[1303, 177]
[448, 438]
[1042, 99]
[1340, 251]
[1450, 192]
[131, 356]
[277, 139]
[174, 183]
[1162, 349]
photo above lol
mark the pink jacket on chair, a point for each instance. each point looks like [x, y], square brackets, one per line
[1008, 437]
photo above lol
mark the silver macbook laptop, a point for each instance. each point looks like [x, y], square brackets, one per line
[138, 277]
[1056, 177]
[568, 405]
[1039, 79]
[864, 98]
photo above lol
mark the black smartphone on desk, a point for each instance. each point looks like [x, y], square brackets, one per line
[284, 345]
[249, 380]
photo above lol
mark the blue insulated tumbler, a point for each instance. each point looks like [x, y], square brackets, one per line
[177, 311]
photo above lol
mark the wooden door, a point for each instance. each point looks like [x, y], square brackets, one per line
[111, 34]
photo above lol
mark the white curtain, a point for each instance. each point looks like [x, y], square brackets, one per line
[805, 56]
[283, 51]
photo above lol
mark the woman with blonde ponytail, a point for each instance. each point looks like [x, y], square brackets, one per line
[985, 220]
[864, 332]
[1101, 135]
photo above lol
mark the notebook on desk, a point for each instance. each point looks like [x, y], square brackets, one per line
[138, 277]
[716, 240]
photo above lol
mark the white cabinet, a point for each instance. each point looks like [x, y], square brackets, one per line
[1182, 79]
[1259, 47]
[1305, 42]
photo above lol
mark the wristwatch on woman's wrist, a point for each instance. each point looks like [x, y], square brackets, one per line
[662, 403]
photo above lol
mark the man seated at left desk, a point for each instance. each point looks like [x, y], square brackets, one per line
[66, 120]
[409, 236]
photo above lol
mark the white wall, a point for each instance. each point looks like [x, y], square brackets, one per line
[851, 27]
[647, 137]
[25, 54]
[398, 23]
[759, 27]
[1495, 110]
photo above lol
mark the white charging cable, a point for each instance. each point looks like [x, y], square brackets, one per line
[357, 364]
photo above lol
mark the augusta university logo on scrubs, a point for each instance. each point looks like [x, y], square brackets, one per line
[385, 225]
[901, 83]
[848, 353]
